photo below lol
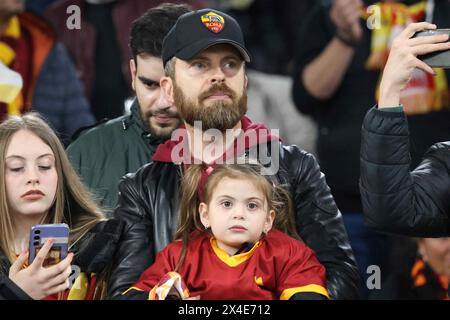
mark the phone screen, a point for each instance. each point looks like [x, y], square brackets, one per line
[41, 233]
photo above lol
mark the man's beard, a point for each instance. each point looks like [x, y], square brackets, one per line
[220, 115]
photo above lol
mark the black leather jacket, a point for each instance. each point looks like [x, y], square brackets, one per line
[148, 203]
[396, 199]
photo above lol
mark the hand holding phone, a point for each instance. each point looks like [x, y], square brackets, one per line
[38, 281]
[42, 232]
[403, 60]
[439, 59]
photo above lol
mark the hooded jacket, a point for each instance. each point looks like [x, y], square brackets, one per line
[148, 203]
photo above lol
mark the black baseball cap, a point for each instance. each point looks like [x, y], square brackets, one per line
[197, 30]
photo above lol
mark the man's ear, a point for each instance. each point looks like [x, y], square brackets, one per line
[245, 82]
[166, 85]
[204, 217]
[133, 69]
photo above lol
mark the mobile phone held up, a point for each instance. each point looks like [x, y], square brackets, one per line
[40, 233]
[439, 59]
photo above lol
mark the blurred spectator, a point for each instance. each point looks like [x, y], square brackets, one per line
[270, 28]
[420, 270]
[337, 70]
[28, 46]
[100, 48]
[270, 102]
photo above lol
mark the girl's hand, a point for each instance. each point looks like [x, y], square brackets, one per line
[39, 282]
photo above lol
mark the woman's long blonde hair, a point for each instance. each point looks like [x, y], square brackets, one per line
[278, 198]
[73, 203]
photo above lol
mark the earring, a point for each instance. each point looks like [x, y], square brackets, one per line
[206, 226]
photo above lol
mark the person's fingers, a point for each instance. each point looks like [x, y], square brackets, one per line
[59, 268]
[423, 66]
[339, 11]
[340, 4]
[347, 16]
[59, 288]
[350, 12]
[42, 254]
[412, 28]
[59, 278]
[357, 31]
[18, 264]
[429, 48]
[427, 39]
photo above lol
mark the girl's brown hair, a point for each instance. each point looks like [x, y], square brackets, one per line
[73, 203]
[278, 198]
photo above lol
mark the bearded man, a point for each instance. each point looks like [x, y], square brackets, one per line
[204, 58]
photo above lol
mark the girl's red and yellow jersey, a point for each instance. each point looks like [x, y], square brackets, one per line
[276, 267]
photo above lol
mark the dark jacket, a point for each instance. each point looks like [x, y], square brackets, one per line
[148, 203]
[339, 117]
[93, 253]
[102, 155]
[395, 199]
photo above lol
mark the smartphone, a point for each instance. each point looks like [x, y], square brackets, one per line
[439, 59]
[39, 235]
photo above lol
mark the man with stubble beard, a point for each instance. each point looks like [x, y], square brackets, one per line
[105, 153]
[204, 57]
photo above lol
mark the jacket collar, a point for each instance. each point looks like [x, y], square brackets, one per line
[137, 116]
[164, 151]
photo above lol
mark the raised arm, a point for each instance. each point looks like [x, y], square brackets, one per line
[394, 198]
[335, 58]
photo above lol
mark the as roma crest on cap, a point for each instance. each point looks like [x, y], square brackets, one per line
[213, 21]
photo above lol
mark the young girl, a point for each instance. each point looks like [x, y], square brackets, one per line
[38, 186]
[228, 249]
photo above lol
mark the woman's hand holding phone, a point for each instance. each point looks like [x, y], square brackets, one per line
[39, 281]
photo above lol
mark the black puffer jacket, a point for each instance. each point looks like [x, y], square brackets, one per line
[93, 254]
[395, 199]
[148, 202]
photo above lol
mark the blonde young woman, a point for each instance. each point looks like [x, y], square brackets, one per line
[38, 185]
[238, 241]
